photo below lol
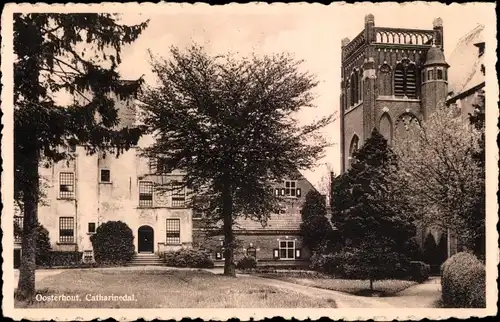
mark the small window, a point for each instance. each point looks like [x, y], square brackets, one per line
[173, 231]
[161, 165]
[178, 195]
[252, 252]
[430, 75]
[66, 185]
[105, 175]
[287, 249]
[91, 227]
[145, 194]
[439, 74]
[66, 229]
[290, 189]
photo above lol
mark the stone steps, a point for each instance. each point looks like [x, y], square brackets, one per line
[146, 259]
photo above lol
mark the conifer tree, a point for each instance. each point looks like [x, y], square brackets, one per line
[76, 54]
[315, 228]
[371, 215]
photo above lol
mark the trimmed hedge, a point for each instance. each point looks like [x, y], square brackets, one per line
[418, 271]
[188, 258]
[113, 243]
[463, 282]
[247, 262]
[64, 259]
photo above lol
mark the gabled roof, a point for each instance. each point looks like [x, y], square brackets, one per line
[465, 64]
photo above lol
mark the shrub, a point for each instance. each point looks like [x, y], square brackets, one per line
[327, 264]
[43, 247]
[463, 282]
[64, 258]
[247, 262]
[188, 258]
[113, 243]
[418, 271]
[413, 250]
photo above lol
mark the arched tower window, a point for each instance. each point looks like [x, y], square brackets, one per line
[360, 85]
[405, 79]
[399, 80]
[411, 81]
[386, 127]
[354, 88]
[353, 147]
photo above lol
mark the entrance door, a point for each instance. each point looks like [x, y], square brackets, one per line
[146, 239]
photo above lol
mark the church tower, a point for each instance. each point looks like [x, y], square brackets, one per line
[434, 76]
[389, 77]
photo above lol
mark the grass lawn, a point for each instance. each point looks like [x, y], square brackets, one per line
[355, 287]
[166, 289]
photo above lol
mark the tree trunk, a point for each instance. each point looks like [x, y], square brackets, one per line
[26, 285]
[227, 210]
[371, 285]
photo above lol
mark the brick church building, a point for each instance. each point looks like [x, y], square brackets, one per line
[392, 76]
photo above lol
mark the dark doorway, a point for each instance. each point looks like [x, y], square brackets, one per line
[146, 239]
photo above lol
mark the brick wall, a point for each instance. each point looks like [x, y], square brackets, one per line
[264, 244]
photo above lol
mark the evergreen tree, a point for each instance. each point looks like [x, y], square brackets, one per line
[431, 250]
[228, 123]
[75, 54]
[371, 215]
[315, 228]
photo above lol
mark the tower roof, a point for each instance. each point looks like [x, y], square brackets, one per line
[435, 56]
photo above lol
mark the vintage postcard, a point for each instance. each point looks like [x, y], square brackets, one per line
[249, 161]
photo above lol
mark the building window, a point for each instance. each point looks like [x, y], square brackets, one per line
[173, 231]
[105, 175]
[405, 79]
[178, 195]
[354, 88]
[145, 194]
[353, 148]
[18, 229]
[66, 185]
[290, 189]
[91, 229]
[161, 165]
[88, 256]
[430, 75]
[287, 249]
[66, 229]
[439, 74]
[252, 252]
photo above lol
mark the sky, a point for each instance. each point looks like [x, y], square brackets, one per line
[310, 32]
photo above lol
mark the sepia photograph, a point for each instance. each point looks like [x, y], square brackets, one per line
[326, 160]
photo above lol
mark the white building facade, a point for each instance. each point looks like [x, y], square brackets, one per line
[88, 190]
